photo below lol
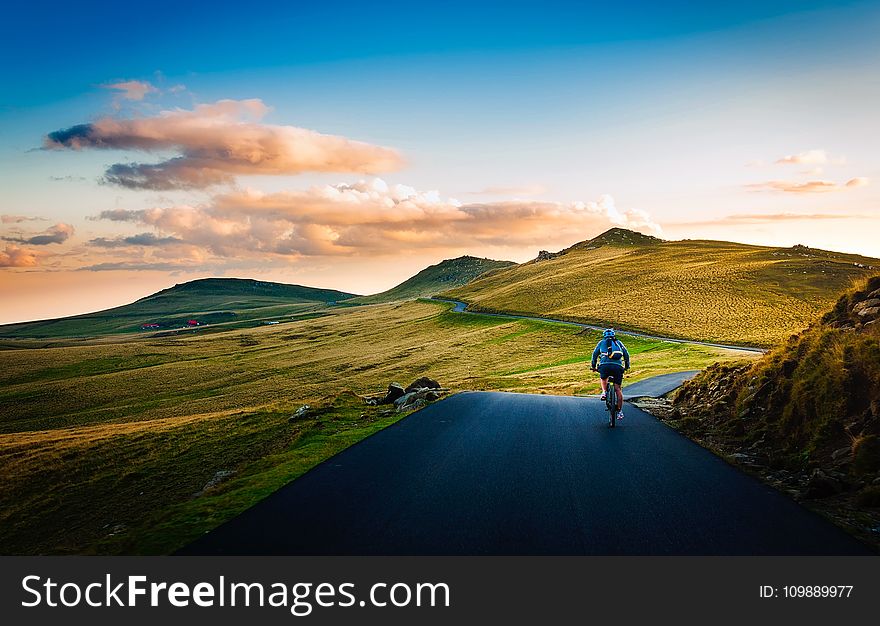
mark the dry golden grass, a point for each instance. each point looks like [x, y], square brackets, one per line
[704, 290]
[105, 442]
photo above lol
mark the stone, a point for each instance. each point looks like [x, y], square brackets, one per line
[841, 453]
[821, 485]
[301, 413]
[412, 406]
[395, 391]
[866, 304]
[404, 400]
[422, 383]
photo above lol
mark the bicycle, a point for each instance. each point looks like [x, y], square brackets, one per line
[610, 401]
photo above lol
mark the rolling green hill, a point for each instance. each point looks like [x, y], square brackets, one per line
[207, 301]
[704, 290]
[436, 278]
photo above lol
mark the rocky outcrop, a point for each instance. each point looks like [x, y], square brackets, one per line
[544, 255]
[415, 395]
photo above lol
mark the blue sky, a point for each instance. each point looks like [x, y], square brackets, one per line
[682, 112]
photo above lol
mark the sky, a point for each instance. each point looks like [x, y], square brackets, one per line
[349, 145]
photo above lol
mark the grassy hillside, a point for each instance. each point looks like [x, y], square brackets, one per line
[208, 301]
[436, 278]
[106, 445]
[809, 410]
[705, 290]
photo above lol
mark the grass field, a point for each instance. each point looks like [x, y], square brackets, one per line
[107, 444]
[704, 290]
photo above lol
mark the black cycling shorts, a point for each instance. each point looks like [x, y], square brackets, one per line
[614, 371]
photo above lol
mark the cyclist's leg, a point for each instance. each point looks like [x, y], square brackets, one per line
[603, 379]
[618, 387]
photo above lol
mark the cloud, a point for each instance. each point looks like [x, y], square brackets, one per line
[811, 186]
[135, 267]
[809, 157]
[755, 218]
[740, 219]
[17, 219]
[59, 233]
[527, 190]
[142, 239]
[373, 218]
[14, 256]
[217, 142]
[132, 89]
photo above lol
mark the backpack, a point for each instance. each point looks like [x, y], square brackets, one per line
[610, 352]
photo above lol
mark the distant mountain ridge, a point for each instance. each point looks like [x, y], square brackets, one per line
[433, 279]
[204, 301]
[250, 287]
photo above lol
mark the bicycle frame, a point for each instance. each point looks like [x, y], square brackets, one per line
[611, 402]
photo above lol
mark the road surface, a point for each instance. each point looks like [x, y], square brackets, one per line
[518, 474]
[461, 307]
[657, 386]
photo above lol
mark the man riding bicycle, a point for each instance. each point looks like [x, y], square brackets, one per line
[613, 360]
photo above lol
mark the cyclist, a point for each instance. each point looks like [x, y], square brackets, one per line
[613, 360]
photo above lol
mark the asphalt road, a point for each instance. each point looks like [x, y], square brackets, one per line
[461, 307]
[656, 386]
[517, 474]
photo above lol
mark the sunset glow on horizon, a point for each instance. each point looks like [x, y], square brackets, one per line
[348, 147]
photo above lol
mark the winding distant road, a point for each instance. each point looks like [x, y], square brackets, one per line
[461, 307]
[518, 474]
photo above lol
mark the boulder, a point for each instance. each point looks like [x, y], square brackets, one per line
[873, 311]
[405, 399]
[416, 403]
[821, 485]
[395, 392]
[301, 413]
[422, 383]
[867, 304]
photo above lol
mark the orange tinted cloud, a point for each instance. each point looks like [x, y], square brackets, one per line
[17, 219]
[14, 256]
[809, 157]
[215, 143]
[373, 218]
[811, 186]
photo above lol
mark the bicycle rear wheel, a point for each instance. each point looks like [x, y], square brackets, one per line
[611, 402]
